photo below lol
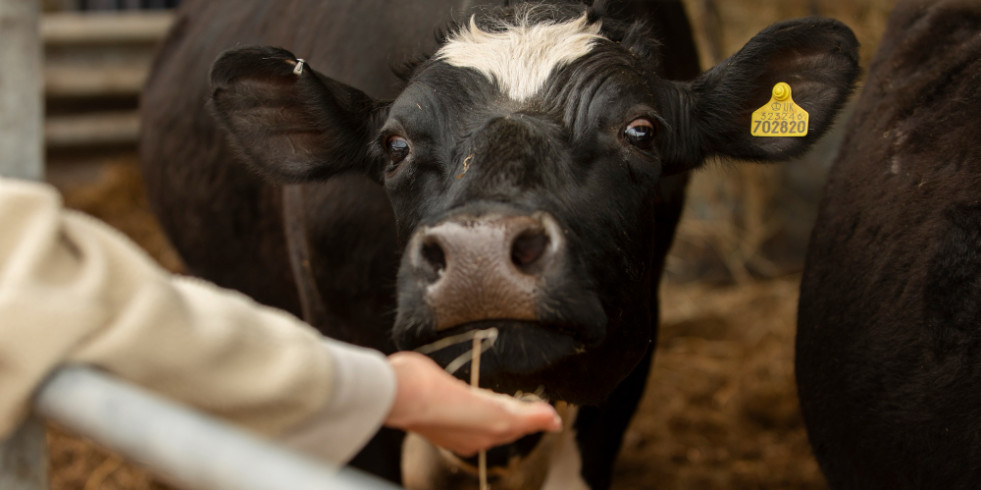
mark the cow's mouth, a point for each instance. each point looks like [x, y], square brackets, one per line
[524, 463]
[518, 360]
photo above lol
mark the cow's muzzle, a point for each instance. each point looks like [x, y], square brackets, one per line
[488, 267]
[513, 272]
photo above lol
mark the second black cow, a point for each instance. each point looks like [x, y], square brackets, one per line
[527, 173]
[889, 327]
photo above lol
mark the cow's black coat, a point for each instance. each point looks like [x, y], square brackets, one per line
[889, 343]
[565, 152]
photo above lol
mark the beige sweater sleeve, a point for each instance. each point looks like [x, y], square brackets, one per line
[74, 290]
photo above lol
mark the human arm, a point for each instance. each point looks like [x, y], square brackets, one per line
[74, 290]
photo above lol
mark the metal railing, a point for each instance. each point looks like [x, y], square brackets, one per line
[21, 103]
[187, 448]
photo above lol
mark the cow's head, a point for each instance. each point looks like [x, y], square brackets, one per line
[523, 162]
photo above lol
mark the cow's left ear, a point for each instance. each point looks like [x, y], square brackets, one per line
[817, 57]
[288, 121]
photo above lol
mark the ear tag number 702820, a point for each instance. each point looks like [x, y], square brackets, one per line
[781, 116]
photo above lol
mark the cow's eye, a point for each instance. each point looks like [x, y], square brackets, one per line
[640, 133]
[398, 149]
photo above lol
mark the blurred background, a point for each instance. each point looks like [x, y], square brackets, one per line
[720, 411]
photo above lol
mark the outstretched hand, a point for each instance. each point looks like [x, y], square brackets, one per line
[454, 416]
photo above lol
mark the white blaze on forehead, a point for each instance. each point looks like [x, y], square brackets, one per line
[521, 57]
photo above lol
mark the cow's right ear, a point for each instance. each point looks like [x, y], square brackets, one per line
[288, 121]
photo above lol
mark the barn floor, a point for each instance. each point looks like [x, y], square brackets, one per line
[720, 410]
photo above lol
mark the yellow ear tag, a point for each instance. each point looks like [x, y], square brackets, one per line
[780, 117]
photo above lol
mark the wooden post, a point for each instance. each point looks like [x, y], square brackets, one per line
[23, 457]
[21, 90]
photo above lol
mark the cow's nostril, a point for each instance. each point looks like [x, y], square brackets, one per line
[434, 256]
[528, 248]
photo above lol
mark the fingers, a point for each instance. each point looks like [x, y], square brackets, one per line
[494, 427]
[485, 419]
[489, 419]
[452, 415]
[521, 417]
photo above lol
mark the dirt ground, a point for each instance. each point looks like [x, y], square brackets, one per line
[720, 411]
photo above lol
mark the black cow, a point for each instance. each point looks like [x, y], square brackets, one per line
[889, 341]
[529, 172]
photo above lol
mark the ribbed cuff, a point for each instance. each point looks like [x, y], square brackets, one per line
[361, 395]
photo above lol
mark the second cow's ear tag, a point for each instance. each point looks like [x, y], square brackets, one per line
[780, 117]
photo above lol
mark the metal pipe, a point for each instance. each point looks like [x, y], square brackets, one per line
[23, 457]
[21, 86]
[190, 449]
